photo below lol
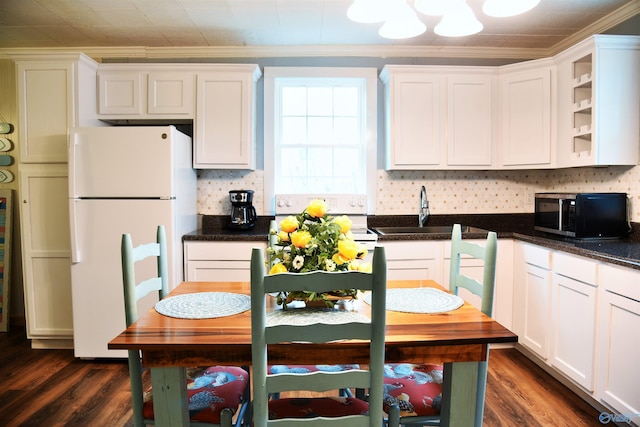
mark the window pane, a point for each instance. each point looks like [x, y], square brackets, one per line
[294, 130]
[346, 101]
[293, 162]
[294, 101]
[347, 130]
[320, 162]
[320, 101]
[320, 130]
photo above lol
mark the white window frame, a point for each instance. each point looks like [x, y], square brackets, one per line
[371, 137]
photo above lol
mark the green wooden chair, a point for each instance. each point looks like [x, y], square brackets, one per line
[215, 393]
[318, 411]
[422, 383]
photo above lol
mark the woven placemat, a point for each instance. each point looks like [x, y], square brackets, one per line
[204, 305]
[420, 300]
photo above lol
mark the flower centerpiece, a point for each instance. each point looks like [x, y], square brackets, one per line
[314, 240]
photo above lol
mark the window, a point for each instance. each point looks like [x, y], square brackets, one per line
[320, 131]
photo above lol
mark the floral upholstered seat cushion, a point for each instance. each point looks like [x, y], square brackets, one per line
[303, 369]
[415, 388]
[301, 407]
[209, 390]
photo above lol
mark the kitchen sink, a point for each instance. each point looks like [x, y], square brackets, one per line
[432, 229]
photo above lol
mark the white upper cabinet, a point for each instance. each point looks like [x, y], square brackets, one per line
[219, 99]
[471, 117]
[598, 102]
[55, 92]
[527, 114]
[224, 134]
[414, 127]
[439, 117]
[149, 91]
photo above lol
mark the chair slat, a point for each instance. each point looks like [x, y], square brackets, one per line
[318, 333]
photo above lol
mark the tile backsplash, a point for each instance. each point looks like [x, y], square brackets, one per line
[449, 192]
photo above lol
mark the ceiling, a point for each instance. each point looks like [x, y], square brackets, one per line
[294, 26]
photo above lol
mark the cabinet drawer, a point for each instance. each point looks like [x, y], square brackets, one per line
[536, 255]
[416, 250]
[227, 251]
[620, 280]
[575, 267]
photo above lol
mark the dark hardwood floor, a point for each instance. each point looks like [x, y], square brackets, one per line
[52, 388]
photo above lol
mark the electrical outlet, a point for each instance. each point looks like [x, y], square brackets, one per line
[529, 197]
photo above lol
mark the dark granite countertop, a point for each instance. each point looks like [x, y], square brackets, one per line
[624, 252]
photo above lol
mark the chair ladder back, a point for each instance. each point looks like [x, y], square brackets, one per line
[487, 254]
[371, 379]
[130, 256]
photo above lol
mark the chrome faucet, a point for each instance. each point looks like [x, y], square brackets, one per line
[423, 213]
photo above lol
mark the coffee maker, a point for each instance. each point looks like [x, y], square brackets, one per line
[243, 214]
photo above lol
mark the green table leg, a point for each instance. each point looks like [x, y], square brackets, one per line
[170, 396]
[463, 392]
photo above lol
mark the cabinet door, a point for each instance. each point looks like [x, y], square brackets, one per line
[619, 352]
[45, 99]
[470, 119]
[618, 339]
[46, 253]
[414, 115]
[574, 329]
[170, 93]
[120, 92]
[224, 125]
[526, 107]
[536, 310]
[532, 297]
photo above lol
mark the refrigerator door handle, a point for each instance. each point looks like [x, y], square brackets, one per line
[73, 143]
[73, 227]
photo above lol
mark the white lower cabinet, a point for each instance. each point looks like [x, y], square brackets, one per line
[46, 254]
[414, 260]
[619, 340]
[532, 302]
[219, 261]
[573, 318]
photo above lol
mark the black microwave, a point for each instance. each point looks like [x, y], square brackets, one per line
[582, 215]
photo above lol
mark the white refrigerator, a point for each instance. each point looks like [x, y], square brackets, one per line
[123, 180]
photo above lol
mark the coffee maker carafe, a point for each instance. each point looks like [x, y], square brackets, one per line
[243, 214]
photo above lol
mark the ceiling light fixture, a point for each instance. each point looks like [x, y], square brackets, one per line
[506, 8]
[458, 19]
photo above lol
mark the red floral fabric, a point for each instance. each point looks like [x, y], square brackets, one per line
[416, 389]
[209, 391]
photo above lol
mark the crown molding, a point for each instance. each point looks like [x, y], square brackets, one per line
[618, 16]
[202, 52]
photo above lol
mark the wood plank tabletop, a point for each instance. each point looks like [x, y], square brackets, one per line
[459, 335]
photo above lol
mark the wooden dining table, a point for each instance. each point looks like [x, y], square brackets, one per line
[459, 338]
